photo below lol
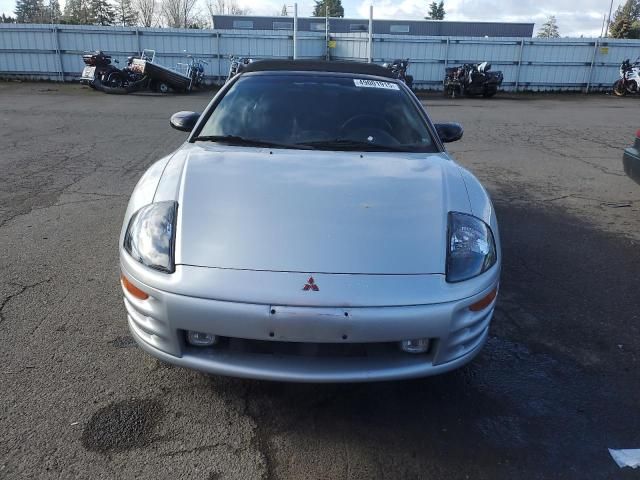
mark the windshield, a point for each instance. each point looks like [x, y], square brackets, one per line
[318, 112]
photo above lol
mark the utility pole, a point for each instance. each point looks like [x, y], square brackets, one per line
[326, 31]
[295, 31]
[606, 33]
[370, 43]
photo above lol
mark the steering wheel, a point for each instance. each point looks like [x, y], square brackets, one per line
[363, 120]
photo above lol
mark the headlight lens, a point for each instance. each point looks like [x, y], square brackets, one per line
[471, 247]
[150, 236]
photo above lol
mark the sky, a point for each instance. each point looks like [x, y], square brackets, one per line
[574, 18]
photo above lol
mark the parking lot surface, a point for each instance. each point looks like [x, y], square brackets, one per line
[556, 385]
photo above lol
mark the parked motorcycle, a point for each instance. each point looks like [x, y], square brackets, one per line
[236, 65]
[101, 74]
[140, 73]
[629, 81]
[472, 79]
[194, 69]
[399, 70]
[97, 67]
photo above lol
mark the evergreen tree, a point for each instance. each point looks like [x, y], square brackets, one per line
[284, 12]
[54, 13]
[334, 6]
[7, 19]
[436, 11]
[626, 21]
[102, 12]
[125, 15]
[30, 11]
[549, 28]
[78, 12]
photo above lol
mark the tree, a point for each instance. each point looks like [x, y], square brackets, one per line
[436, 11]
[102, 12]
[178, 13]
[30, 11]
[54, 13]
[7, 19]
[147, 12]
[284, 12]
[334, 8]
[626, 21]
[549, 28]
[125, 15]
[226, 7]
[78, 12]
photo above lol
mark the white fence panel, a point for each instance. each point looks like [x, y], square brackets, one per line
[54, 52]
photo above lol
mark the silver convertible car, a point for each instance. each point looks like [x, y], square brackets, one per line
[312, 228]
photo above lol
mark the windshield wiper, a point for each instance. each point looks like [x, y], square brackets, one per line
[248, 142]
[347, 144]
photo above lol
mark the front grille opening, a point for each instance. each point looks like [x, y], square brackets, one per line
[307, 349]
[304, 349]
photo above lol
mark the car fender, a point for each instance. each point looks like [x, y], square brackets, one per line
[144, 191]
[480, 201]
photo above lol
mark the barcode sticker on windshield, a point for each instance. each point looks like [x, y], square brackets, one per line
[375, 84]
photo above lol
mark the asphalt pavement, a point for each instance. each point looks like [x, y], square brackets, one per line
[556, 385]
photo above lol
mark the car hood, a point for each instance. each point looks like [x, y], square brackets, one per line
[312, 211]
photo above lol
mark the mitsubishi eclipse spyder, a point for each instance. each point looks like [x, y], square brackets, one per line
[312, 228]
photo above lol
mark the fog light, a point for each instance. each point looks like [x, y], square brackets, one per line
[417, 345]
[200, 339]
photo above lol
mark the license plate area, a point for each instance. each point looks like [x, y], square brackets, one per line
[300, 324]
[88, 73]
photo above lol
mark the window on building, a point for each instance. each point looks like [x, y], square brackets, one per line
[399, 28]
[282, 25]
[247, 24]
[359, 27]
[317, 27]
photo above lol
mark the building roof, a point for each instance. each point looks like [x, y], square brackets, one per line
[394, 27]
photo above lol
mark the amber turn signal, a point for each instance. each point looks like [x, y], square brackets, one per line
[132, 289]
[484, 302]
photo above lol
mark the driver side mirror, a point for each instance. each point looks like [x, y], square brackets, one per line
[449, 132]
[184, 121]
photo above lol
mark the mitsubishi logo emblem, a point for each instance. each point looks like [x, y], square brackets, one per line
[311, 285]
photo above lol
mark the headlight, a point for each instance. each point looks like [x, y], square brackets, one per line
[471, 247]
[150, 236]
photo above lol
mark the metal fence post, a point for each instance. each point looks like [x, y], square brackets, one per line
[218, 56]
[327, 55]
[593, 60]
[446, 54]
[138, 41]
[446, 58]
[519, 65]
[58, 52]
[295, 31]
[370, 40]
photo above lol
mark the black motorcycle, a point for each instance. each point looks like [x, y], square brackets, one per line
[472, 79]
[101, 74]
[399, 70]
[97, 67]
[629, 81]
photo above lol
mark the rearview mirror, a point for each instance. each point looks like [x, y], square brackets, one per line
[184, 121]
[449, 132]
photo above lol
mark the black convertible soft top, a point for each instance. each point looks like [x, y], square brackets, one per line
[317, 66]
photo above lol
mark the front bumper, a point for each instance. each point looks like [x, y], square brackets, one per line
[631, 162]
[456, 334]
